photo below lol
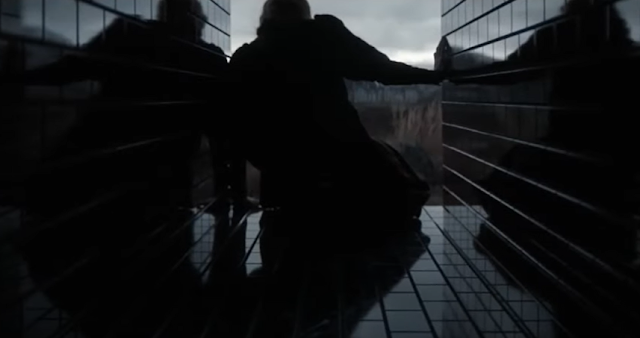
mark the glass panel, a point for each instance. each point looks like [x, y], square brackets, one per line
[126, 6]
[61, 21]
[144, 8]
[535, 12]
[494, 26]
[93, 21]
[519, 14]
[505, 20]
[553, 8]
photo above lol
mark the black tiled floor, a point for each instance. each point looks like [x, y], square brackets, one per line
[408, 286]
[423, 291]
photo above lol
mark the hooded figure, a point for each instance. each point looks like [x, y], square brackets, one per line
[299, 128]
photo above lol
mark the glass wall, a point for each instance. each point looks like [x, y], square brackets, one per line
[541, 184]
[75, 22]
[101, 170]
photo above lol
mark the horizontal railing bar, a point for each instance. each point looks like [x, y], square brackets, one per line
[140, 260]
[582, 157]
[460, 2]
[74, 160]
[519, 105]
[69, 50]
[575, 248]
[220, 6]
[479, 17]
[600, 211]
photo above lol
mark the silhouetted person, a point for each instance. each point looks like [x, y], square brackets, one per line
[592, 133]
[301, 131]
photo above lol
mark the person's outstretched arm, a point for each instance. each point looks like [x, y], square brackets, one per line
[358, 60]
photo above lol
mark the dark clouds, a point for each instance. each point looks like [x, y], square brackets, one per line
[407, 30]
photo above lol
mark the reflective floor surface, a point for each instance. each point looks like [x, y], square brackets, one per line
[241, 281]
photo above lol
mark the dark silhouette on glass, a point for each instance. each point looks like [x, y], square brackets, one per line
[126, 60]
[589, 175]
[314, 288]
[154, 84]
[299, 128]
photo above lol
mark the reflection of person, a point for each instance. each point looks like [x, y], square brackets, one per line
[92, 268]
[300, 129]
[130, 195]
[125, 59]
[228, 167]
[594, 122]
[584, 176]
[144, 45]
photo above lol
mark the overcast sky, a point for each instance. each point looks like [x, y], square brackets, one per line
[406, 30]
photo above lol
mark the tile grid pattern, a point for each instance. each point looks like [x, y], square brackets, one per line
[438, 297]
[42, 319]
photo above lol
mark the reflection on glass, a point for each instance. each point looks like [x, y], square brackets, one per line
[93, 21]
[494, 26]
[506, 25]
[60, 18]
[630, 12]
[535, 12]
[124, 6]
[553, 8]
[534, 154]
[74, 23]
[487, 5]
[64, 115]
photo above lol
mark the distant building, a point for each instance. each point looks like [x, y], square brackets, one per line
[442, 52]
